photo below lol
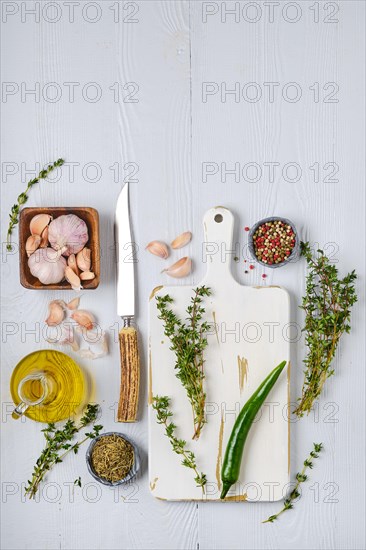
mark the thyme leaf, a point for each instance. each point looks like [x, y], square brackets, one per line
[163, 415]
[300, 478]
[59, 444]
[23, 197]
[78, 481]
[327, 304]
[188, 342]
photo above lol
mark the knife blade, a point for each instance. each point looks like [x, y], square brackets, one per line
[128, 337]
[125, 260]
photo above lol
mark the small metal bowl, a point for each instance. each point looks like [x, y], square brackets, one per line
[131, 474]
[295, 251]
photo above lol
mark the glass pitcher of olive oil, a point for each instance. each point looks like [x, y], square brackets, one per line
[34, 389]
[47, 386]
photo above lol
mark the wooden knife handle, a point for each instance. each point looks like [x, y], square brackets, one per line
[130, 375]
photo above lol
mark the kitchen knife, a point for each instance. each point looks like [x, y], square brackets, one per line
[130, 365]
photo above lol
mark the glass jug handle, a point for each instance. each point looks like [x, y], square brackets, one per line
[19, 410]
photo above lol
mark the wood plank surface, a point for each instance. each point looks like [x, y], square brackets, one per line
[141, 90]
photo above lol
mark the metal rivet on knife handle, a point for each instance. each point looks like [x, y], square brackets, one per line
[130, 375]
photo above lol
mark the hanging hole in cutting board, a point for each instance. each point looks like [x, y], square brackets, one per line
[218, 218]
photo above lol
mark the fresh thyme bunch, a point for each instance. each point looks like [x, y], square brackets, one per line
[58, 446]
[163, 414]
[188, 342]
[327, 305]
[23, 197]
[300, 478]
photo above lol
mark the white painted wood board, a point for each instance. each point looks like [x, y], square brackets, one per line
[169, 134]
[246, 341]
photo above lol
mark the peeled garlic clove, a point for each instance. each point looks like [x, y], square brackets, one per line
[84, 318]
[182, 240]
[73, 304]
[87, 275]
[32, 244]
[44, 241]
[181, 268]
[83, 259]
[72, 278]
[94, 343]
[38, 223]
[158, 248]
[56, 313]
[71, 261]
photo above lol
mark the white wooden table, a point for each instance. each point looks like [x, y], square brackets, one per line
[261, 110]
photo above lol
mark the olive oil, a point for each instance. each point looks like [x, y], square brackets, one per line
[65, 381]
[33, 390]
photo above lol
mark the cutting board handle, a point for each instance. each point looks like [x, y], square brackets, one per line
[217, 249]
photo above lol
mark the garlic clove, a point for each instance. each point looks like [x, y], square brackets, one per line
[63, 335]
[38, 223]
[56, 313]
[158, 248]
[94, 343]
[83, 259]
[181, 240]
[44, 241]
[71, 261]
[84, 318]
[32, 244]
[87, 275]
[181, 268]
[72, 278]
[73, 304]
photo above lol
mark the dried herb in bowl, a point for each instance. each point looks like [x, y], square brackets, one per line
[112, 457]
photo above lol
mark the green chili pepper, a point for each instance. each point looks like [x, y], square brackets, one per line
[235, 447]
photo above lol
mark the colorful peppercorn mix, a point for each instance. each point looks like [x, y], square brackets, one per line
[274, 242]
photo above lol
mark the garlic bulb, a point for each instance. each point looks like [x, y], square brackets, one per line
[69, 232]
[47, 265]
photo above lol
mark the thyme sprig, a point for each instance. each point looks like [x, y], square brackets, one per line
[327, 304]
[58, 445]
[23, 197]
[300, 478]
[163, 414]
[188, 342]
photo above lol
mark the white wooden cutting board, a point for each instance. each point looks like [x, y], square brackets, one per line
[249, 338]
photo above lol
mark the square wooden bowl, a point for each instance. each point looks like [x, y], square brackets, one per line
[90, 217]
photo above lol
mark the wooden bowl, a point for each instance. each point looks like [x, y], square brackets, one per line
[90, 217]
